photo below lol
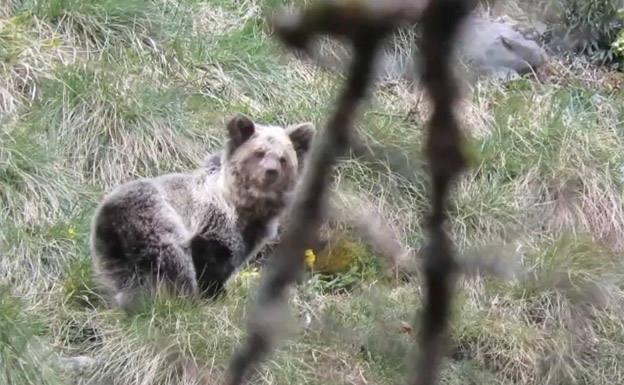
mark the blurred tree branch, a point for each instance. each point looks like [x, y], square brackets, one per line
[366, 24]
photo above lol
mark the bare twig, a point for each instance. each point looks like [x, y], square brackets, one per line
[306, 215]
[441, 20]
[365, 24]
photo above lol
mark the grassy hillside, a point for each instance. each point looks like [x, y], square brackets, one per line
[96, 92]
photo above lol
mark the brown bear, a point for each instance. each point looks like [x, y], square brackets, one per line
[188, 232]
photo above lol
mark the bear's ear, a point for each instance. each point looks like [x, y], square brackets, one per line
[240, 128]
[301, 135]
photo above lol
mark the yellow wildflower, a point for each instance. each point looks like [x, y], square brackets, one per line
[310, 258]
[71, 232]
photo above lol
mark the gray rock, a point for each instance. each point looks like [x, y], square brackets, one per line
[501, 49]
[495, 48]
[77, 364]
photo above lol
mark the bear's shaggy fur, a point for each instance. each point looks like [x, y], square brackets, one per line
[188, 233]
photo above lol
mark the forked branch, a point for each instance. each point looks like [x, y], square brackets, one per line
[365, 24]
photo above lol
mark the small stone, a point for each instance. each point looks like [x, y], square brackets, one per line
[77, 363]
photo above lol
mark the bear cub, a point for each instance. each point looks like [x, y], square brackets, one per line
[187, 233]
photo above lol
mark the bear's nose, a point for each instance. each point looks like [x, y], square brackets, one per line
[271, 174]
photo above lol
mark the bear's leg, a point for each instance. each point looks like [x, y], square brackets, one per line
[137, 245]
[213, 265]
[173, 269]
[112, 262]
[170, 272]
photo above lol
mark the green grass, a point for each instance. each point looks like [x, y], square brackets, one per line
[95, 93]
[35, 188]
[26, 357]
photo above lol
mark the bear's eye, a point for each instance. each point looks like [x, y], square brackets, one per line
[259, 154]
[283, 160]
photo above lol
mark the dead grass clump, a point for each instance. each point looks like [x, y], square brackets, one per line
[113, 127]
[26, 358]
[588, 206]
[35, 190]
[98, 25]
[29, 50]
[542, 326]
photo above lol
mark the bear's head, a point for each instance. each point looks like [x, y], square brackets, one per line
[262, 163]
